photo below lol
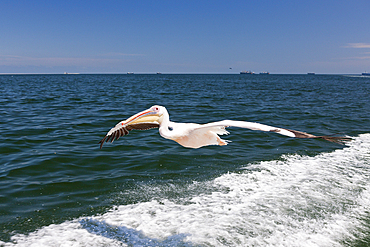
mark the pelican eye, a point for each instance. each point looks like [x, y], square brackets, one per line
[170, 128]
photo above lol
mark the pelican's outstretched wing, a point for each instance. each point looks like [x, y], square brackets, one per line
[263, 127]
[122, 129]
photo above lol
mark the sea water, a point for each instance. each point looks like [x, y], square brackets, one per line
[57, 188]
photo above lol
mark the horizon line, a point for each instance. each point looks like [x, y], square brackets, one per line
[164, 73]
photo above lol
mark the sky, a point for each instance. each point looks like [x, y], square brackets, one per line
[185, 36]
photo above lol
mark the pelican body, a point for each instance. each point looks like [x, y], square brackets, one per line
[192, 135]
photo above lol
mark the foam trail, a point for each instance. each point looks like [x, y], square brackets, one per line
[295, 201]
[130, 236]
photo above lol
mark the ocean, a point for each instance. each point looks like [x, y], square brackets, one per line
[58, 188]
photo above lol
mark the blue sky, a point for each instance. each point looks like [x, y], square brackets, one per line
[184, 36]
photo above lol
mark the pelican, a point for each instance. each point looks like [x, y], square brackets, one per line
[192, 135]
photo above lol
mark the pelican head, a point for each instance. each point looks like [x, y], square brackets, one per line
[151, 115]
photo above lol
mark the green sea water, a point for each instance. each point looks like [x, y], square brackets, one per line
[57, 188]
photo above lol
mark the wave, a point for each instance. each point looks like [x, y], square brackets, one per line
[294, 201]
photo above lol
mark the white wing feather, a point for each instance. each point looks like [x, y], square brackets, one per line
[252, 126]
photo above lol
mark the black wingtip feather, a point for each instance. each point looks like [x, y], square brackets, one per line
[124, 130]
[336, 139]
[102, 142]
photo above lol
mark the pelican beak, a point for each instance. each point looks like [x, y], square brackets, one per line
[147, 116]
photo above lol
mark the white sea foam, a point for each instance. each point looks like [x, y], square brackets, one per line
[294, 201]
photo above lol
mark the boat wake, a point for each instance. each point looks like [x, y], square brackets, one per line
[294, 201]
[128, 235]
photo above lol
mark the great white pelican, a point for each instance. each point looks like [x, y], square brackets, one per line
[192, 135]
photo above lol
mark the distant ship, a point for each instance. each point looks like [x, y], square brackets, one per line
[247, 72]
[311, 73]
[264, 73]
[130, 73]
[159, 73]
[66, 73]
[366, 73]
